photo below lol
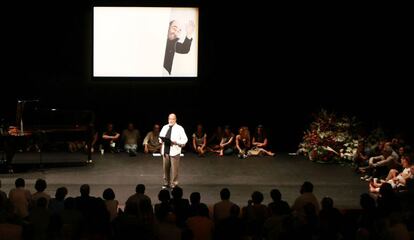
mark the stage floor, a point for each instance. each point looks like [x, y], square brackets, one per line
[206, 175]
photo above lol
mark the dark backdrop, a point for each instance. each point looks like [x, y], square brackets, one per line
[259, 63]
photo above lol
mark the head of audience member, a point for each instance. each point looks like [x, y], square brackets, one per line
[41, 203]
[195, 198]
[131, 126]
[225, 194]
[386, 190]
[19, 183]
[177, 193]
[164, 196]
[257, 197]
[140, 189]
[85, 190]
[156, 129]
[199, 129]
[40, 185]
[174, 30]
[109, 127]
[108, 194]
[327, 203]
[276, 195]
[172, 119]
[61, 193]
[366, 202]
[307, 187]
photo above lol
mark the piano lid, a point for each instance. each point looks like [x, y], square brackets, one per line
[54, 118]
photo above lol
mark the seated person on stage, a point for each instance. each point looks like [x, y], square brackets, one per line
[380, 165]
[226, 143]
[395, 179]
[215, 139]
[243, 142]
[110, 139]
[200, 141]
[130, 137]
[151, 142]
[361, 156]
[402, 151]
[259, 143]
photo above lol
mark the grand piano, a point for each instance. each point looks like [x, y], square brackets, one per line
[44, 136]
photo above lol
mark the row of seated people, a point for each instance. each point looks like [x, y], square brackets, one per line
[38, 216]
[390, 163]
[222, 141]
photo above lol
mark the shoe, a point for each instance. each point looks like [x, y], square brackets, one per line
[368, 179]
[165, 186]
[364, 177]
[132, 154]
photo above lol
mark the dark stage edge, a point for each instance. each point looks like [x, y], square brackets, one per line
[206, 175]
[32, 160]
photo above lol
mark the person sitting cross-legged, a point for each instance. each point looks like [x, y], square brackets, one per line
[226, 144]
[110, 139]
[260, 143]
[200, 141]
[151, 142]
[243, 143]
[131, 137]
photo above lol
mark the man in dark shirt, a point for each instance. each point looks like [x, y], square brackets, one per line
[110, 139]
[174, 46]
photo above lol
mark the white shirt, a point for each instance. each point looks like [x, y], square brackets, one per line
[177, 135]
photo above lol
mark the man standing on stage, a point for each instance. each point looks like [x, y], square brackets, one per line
[173, 138]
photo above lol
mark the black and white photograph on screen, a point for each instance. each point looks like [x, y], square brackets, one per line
[180, 40]
[145, 42]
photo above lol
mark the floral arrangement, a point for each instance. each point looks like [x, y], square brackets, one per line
[330, 138]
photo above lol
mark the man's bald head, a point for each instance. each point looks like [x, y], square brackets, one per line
[172, 119]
